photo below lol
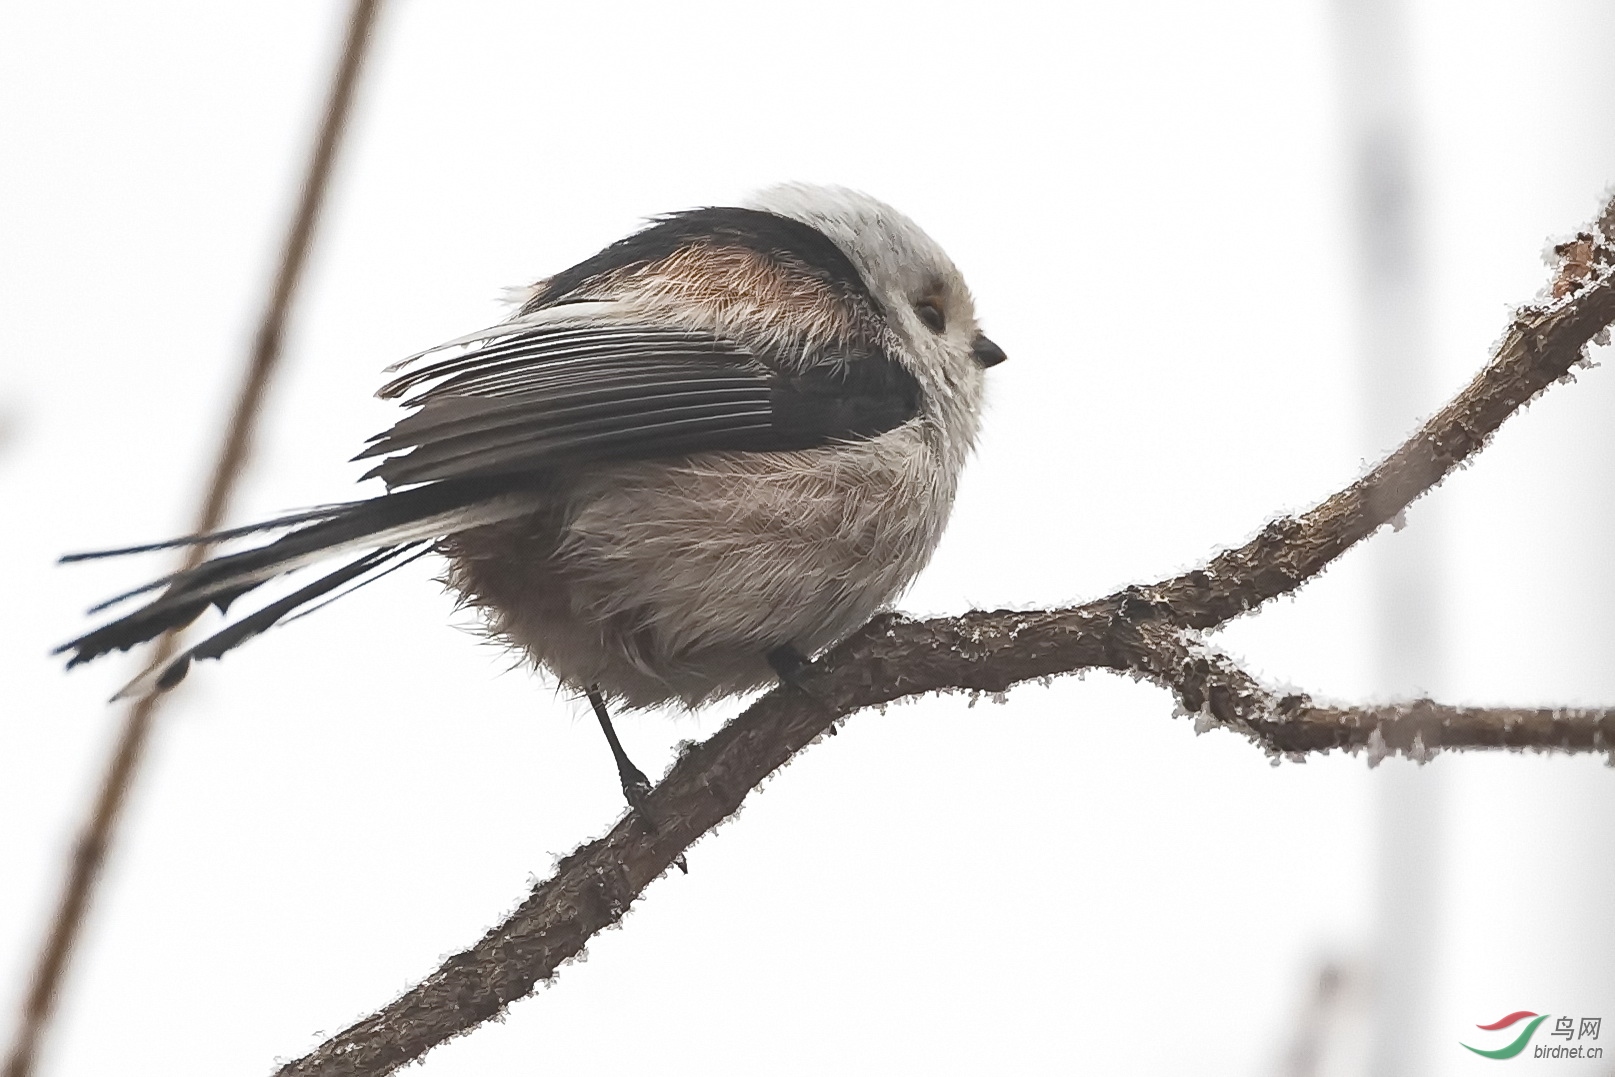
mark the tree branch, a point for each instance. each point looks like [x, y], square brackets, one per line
[1152, 631]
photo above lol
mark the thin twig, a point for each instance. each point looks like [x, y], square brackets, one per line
[1218, 692]
[90, 851]
[1151, 631]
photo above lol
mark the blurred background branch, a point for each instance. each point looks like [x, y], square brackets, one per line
[90, 851]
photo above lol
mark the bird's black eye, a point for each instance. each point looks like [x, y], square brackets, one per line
[930, 312]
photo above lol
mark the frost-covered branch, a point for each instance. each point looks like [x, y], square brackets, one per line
[1217, 691]
[1152, 631]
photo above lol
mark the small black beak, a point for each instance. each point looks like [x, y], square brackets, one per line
[986, 352]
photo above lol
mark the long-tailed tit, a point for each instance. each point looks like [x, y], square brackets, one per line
[686, 463]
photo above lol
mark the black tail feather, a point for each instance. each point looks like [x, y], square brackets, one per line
[383, 525]
[126, 632]
[233, 636]
[425, 548]
[322, 512]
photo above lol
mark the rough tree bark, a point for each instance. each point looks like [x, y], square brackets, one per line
[1153, 631]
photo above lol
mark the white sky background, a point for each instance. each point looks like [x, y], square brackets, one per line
[1148, 201]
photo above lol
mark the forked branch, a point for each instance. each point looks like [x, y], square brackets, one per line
[1153, 631]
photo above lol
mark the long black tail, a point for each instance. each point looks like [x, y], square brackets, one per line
[389, 530]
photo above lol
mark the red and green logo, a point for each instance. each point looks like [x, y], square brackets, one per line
[1519, 1041]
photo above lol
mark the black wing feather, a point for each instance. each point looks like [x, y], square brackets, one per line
[556, 398]
[547, 344]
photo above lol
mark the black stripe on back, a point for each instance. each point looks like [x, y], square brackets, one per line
[768, 234]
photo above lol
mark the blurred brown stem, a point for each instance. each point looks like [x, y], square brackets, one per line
[1153, 631]
[89, 853]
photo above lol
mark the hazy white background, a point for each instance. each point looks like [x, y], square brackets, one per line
[1149, 201]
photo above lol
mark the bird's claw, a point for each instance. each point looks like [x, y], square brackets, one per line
[789, 665]
[636, 790]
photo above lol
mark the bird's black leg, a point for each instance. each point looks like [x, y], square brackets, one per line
[790, 664]
[635, 786]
